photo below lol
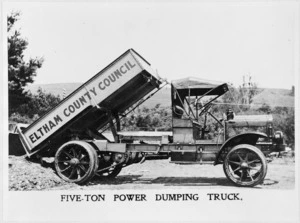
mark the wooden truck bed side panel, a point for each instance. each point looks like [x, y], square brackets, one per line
[92, 93]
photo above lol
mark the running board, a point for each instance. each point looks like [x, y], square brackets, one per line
[192, 163]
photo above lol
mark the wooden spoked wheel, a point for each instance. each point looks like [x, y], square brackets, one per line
[245, 165]
[76, 162]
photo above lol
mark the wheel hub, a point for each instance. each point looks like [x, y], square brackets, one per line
[244, 165]
[74, 161]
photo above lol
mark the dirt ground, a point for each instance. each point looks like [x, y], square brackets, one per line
[152, 174]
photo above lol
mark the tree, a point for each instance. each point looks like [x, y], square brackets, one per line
[242, 96]
[248, 91]
[20, 72]
[149, 119]
[265, 109]
[39, 103]
[284, 120]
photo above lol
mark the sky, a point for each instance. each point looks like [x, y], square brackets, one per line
[221, 41]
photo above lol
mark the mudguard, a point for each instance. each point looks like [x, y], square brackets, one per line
[243, 138]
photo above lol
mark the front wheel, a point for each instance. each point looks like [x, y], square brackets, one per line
[245, 165]
[76, 162]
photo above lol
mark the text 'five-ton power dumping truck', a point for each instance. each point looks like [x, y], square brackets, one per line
[73, 131]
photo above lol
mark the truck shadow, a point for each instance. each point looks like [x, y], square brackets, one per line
[167, 181]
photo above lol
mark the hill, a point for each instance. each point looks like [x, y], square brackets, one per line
[162, 96]
[271, 96]
[56, 89]
[275, 97]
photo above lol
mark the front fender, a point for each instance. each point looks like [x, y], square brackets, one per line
[243, 138]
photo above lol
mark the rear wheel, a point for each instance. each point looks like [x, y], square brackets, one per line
[76, 162]
[110, 164]
[110, 173]
[245, 165]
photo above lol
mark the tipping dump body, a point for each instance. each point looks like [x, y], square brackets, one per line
[112, 91]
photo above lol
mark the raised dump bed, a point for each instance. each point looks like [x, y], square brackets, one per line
[91, 106]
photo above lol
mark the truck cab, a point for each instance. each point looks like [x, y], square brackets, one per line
[189, 112]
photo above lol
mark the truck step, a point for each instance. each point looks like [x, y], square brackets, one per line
[192, 163]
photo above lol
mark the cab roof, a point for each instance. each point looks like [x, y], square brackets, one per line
[196, 86]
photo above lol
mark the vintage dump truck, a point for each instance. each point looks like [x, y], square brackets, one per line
[73, 131]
